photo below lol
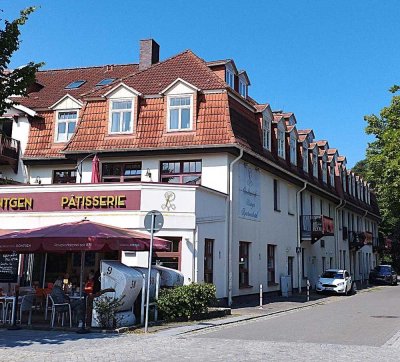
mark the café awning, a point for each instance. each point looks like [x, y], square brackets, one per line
[78, 236]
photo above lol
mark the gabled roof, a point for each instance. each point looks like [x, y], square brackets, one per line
[153, 80]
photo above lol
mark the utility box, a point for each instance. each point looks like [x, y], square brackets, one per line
[286, 285]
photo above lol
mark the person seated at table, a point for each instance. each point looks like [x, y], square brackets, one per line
[89, 283]
[60, 297]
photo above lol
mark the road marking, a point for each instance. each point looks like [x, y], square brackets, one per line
[393, 342]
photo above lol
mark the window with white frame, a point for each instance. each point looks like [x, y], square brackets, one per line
[66, 124]
[121, 120]
[229, 78]
[293, 153]
[305, 158]
[180, 113]
[353, 182]
[332, 174]
[358, 190]
[266, 133]
[362, 192]
[242, 88]
[349, 183]
[281, 143]
[315, 164]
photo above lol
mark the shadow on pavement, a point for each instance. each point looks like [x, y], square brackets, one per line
[23, 337]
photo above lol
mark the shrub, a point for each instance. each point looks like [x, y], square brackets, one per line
[186, 302]
[105, 308]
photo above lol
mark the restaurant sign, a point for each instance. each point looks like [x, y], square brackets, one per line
[72, 201]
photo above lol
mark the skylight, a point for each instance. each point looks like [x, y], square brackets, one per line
[105, 81]
[75, 84]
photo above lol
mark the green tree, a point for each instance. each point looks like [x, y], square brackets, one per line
[360, 168]
[383, 165]
[14, 82]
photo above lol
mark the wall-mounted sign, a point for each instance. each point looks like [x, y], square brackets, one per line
[70, 201]
[249, 192]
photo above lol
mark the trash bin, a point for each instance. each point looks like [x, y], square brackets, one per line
[286, 285]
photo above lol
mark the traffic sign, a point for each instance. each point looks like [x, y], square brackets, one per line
[158, 221]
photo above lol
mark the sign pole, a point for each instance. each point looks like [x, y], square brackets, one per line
[146, 323]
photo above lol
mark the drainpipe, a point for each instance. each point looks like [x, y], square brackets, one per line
[336, 236]
[230, 224]
[298, 251]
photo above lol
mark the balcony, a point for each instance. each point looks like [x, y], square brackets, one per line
[314, 227]
[9, 151]
[357, 240]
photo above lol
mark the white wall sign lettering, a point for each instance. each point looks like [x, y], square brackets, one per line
[249, 193]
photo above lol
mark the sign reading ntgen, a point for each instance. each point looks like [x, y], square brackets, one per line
[74, 201]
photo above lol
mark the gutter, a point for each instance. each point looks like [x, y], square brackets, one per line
[336, 234]
[230, 224]
[298, 249]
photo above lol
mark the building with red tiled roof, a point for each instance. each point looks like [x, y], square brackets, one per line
[164, 128]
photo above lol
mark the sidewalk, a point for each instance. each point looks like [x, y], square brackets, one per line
[250, 309]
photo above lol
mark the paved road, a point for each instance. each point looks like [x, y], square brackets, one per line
[234, 343]
[369, 318]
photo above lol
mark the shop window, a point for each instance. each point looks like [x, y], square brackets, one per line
[244, 264]
[181, 172]
[208, 260]
[121, 172]
[64, 176]
[271, 263]
[172, 257]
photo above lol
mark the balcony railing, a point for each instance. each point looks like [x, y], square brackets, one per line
[9, 150]
[314, 227]
[357, 240]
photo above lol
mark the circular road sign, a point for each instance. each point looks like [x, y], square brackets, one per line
[158, 221]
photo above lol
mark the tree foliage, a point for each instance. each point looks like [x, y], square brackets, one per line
[383, 164]
[17, 81]
[360, 168]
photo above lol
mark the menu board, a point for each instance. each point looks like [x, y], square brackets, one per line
[9, 268]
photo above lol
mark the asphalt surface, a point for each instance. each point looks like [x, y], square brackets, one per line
[369, 318]
[364, 327]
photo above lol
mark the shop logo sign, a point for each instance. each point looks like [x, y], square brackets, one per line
[169, 198]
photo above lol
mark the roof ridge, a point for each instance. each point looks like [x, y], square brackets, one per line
[85, 67]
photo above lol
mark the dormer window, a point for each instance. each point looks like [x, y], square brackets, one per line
[332, 174]
[229, 78]
[66, 124]
[242, 88]
[180, 112]
[315, 164]
[266, 133]
[344, 183]
[281, 144]
[324, 172]
[353, 182]
[121, 120]
[305, 158]
[293, 153]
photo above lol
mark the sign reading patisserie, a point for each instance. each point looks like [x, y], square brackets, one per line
[72, 201]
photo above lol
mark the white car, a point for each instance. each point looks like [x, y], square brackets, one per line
[335, 280]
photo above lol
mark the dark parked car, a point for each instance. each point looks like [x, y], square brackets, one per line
[383, 274]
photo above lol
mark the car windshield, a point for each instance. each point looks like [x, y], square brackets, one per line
[384, 269]
[332, 275]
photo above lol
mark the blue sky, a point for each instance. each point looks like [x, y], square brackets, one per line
[329, 61]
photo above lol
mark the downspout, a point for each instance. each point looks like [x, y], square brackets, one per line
[336, 236]
[230, 224]
[298, 249]
[194, 261]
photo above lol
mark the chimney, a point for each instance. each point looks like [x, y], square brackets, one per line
[149, 53]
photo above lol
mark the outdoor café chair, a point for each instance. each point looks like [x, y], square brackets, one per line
[57, 308]
[26, 305]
